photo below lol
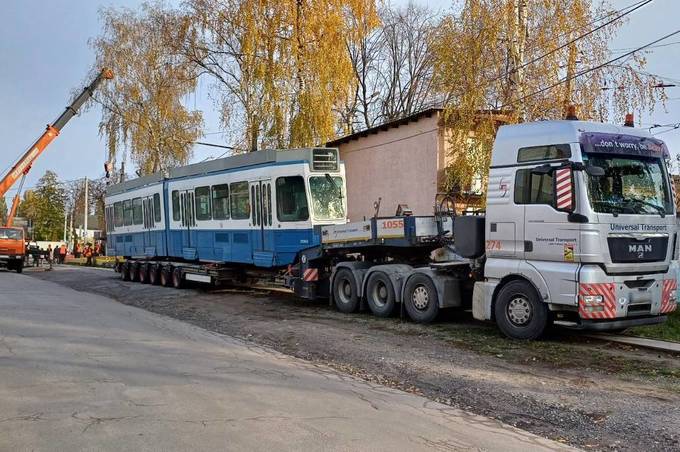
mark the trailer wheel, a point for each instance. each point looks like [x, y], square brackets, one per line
[143, 273]
[345, 291]
[519, 311]
[154, 275]
[134, 271]
[166, 276]
[420, 298]
[177, 278]
[380, 294]
[125, 271]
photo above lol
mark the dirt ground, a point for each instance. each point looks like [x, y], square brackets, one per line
[569, 388]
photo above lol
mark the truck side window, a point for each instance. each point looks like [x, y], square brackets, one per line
[533, 188]
[549, 152]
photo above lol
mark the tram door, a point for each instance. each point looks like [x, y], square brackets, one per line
[261, 216]
[187, 209]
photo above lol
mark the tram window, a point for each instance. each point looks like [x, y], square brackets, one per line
[175, 206]
[118, 214]
[258, 209]
[240, 201]
[252, 202]
[127, 209]
[203, 203]
[137, 216]
[291, 199]
[220, 201]
[157, 208]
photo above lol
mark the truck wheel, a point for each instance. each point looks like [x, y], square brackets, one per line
[345, 291]
[380, 294]
[177, 278]
[125, 271]
[19, 267]
[519, 311]
[143, 273]
[420, 298]
[166, 276]
[154, 275]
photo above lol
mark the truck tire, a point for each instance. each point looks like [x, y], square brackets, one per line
[134, 271]
[125, 271]
[143, 273]
[380, 294]
[345, 291]
[166, 276]
[19, 267]
[177, 281]
[420, 299]
[154, 275]
[519, 311]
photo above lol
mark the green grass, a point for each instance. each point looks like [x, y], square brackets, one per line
[668, 331]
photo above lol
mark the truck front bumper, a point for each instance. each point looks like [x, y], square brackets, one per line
[603, 297]
[609, 325]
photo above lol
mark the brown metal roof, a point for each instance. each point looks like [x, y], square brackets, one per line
[385, 126]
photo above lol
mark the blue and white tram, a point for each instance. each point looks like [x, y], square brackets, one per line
[259, 208]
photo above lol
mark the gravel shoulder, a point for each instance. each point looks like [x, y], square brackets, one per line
[580, 391]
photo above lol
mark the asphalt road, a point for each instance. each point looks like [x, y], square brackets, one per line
[81, 372]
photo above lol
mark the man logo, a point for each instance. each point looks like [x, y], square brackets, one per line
[640, 248]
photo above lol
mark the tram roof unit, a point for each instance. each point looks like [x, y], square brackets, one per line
[319, 158]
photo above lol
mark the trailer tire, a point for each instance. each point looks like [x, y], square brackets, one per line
[166, 276]
[345, 291]
[519, 311]
[125, 271]
[154, 275]
[420, 299]
[380, 294]
[177, 282]
[134, 271]
[143, 273]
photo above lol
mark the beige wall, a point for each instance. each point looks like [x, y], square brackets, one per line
[400, 165]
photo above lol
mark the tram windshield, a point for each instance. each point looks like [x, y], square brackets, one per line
[328, 200]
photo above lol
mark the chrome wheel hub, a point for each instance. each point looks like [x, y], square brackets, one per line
[519, 311]
[420, 298]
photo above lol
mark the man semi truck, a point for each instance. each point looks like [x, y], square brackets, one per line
[579, 231]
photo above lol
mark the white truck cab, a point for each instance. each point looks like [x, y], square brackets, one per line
[580, 229]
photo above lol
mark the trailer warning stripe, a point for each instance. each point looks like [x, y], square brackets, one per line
[311, 274]
[563, 188]
[668, 301]
[604, 310]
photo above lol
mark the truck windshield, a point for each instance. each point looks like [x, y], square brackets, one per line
[327, 197]
[631, 184]
[7, 233]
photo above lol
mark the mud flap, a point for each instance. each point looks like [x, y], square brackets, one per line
[482, 297]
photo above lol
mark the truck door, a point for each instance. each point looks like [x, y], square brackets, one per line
[261, 220]
[550, 240]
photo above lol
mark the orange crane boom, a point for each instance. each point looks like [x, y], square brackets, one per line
[23, 166]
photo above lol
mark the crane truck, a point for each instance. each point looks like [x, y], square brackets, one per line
[12, 249]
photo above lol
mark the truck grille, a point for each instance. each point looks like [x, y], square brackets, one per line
[631, 249]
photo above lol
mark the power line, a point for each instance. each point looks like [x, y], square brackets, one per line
[633, 7]
[586, 71]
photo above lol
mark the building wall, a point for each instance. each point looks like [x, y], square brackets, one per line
[400, 164]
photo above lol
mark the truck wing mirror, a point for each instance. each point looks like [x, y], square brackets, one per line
[595, 171]
[564, 189]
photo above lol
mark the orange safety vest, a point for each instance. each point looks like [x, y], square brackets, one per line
[62, 249]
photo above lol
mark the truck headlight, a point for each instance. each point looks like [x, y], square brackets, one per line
[592, 299]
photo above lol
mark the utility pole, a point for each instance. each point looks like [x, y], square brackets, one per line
[571, 70]
[85, 212]
[65, 224]
[516, 50]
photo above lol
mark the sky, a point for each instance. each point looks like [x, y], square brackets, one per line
[44, 55]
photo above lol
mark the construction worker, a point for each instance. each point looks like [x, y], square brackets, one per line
[62, 253]
[88, 254]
